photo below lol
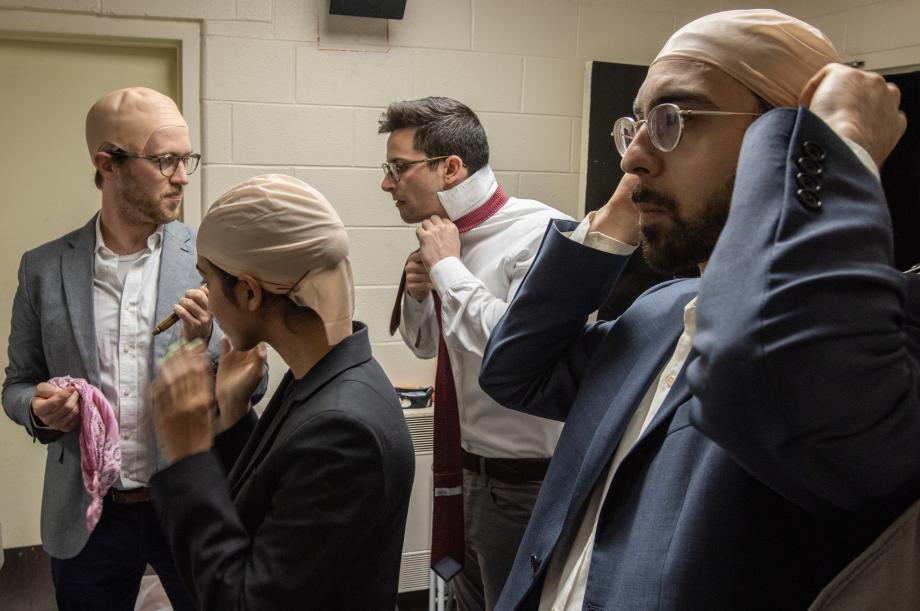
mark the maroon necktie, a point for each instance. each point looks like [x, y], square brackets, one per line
[447, 542]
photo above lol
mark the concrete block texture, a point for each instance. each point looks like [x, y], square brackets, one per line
[173, 9]
[525, 27]
[482, 81]
[529, 142]
[254, 10]
[437, 24]
[887, 25]
[216, 132]
[353, 78]
[355, 194]
[370, 147]
[615, 35]
[292, 135]
[378, 255]
[296, 20]
[75, 6]
[694, 7]
[246, 69]
[557, 190]
[402, 367]
[553, 86]
[373, 305]
[219, 178]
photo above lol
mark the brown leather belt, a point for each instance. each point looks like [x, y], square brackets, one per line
[129, 497]
[507, 470]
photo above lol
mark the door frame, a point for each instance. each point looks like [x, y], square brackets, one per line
[184, 36]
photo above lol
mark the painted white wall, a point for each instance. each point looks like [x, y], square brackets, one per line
[286, 87]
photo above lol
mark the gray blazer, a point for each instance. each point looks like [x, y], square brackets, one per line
[52, 333]
[885, 576]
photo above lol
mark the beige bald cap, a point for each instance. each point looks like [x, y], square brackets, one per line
[283, 232]
[772, 54]
[128, 117]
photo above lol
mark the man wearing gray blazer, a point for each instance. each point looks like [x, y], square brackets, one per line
[86, 307]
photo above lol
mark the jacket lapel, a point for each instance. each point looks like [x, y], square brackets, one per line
[348, 353]
[77, 278]
[177, 275]
[650, 332]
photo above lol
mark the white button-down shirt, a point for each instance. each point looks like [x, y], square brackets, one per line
[124, 304]
[475, 290]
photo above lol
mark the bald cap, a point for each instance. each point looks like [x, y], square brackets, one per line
[770, 53]
[285, 234]
[128, 117]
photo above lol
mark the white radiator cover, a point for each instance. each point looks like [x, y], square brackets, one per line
[414, 565]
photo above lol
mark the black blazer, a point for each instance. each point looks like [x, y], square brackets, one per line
[313, 512]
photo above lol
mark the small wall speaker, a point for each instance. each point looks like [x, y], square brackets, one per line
[383, 9]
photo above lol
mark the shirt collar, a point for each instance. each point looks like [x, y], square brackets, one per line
[469, 194]
[690, 317]
[153, 240]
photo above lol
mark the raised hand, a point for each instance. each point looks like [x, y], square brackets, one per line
[418, 282]
[193, 311]
[437, 239]
[859, 105]
[238, 376]
[183, 398]
[619, 218]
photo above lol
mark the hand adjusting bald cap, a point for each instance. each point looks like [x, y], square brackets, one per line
[770, 53]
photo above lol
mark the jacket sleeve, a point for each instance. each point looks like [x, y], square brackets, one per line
[325, 491]
[807, 368]
[27, 366]
[539, 350]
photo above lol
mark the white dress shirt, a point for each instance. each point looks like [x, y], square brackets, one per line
[124, 306]
[475, 290]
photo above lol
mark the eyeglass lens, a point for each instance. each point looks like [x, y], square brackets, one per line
[663, 124]
[169, 163]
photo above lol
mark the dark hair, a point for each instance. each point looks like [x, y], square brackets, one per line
[289, 309]
[443, 127]
[108, 147]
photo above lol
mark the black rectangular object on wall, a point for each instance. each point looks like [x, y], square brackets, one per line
[383, 9]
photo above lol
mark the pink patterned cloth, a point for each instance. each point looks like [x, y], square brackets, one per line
[100, 449]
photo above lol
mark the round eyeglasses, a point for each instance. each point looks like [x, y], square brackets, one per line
[169, 162]
[394, 168]
[665, 125]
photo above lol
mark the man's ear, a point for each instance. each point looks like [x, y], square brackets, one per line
[104, 163]
[455, 170]
[249, 294]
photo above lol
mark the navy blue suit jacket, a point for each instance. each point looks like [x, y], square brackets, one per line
[791, 436]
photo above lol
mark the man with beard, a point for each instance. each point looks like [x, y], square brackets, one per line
[730, 442]
[86, 307]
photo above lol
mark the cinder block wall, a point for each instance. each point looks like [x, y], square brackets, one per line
[288, 88]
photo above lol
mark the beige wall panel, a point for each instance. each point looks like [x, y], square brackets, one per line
[47, 89]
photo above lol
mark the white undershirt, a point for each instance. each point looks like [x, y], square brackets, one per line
[124, 306]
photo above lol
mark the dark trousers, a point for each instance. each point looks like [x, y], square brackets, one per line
[495, 515]
[107, 572]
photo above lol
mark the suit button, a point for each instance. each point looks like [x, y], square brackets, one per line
[809, 166]
[809, 199]
[814, 150]
[534, 562]
[808, 182]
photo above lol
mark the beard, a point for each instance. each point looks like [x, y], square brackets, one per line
[681, 243]
[142, 205]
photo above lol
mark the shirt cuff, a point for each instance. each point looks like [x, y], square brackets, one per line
[412, 307]
[446, 273]
[863, 156]
[597, 240]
